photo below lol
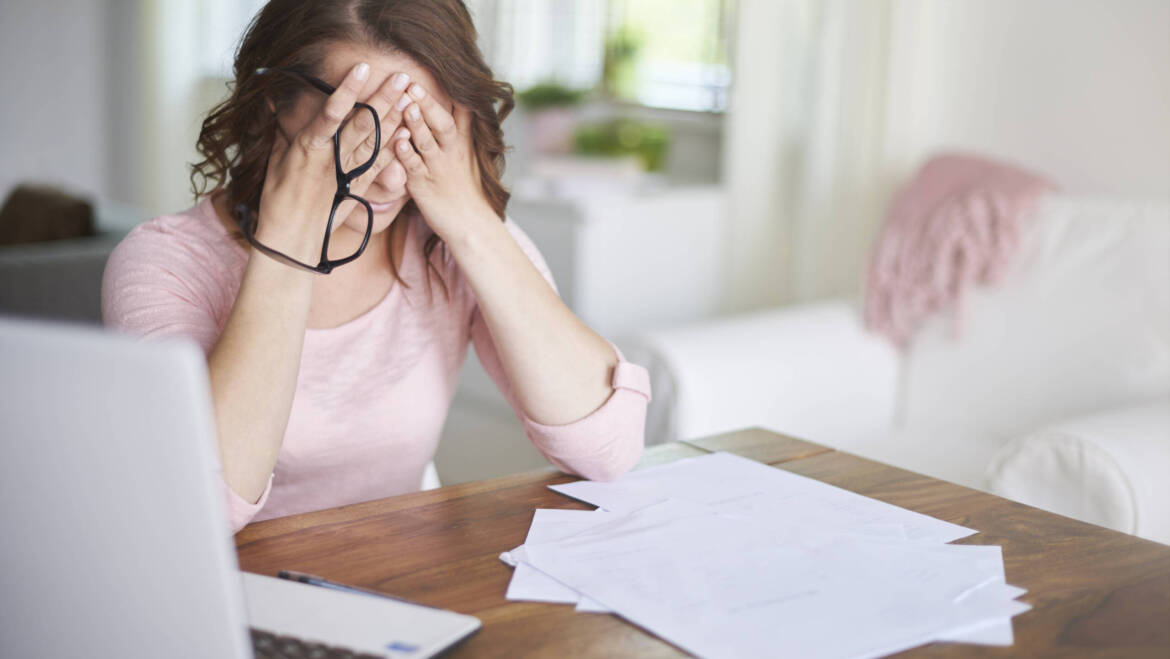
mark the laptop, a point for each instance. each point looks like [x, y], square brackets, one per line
[114, 539]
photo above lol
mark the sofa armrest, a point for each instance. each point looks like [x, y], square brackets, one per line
[811, 371]
[1110, 468]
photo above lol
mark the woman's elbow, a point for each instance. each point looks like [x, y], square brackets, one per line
[624, 453]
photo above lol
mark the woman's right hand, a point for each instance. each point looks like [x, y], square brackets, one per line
[301, 179]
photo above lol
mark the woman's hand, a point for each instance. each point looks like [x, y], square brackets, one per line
[443, 175]
[300, 182]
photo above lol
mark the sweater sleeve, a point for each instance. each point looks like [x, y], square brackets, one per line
[156, 285]
[600, 446]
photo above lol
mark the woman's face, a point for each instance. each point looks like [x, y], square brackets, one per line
[387, 191]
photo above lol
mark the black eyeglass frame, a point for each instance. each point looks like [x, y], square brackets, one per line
[247, 219]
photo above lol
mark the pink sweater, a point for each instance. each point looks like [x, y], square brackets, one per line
[372, 394]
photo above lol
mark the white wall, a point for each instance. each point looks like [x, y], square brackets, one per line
[104, 97]
[1077, 89]
[72, 111]
[54, 108]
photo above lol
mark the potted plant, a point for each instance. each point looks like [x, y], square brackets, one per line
[620, 67]
[648, 142]
[551, 109]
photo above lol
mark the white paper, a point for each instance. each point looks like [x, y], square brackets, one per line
[589, 605]
[996, 632]
[528, 583]
[741, 487]
[724, 556]
[993, 632]
[719, 586]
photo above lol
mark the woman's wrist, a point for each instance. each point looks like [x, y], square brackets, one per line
[275, 272]
[472, 232]
[302, 243]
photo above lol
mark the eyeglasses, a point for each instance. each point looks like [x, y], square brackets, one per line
[247, 219]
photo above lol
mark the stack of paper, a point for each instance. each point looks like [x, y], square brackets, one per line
[727, 557]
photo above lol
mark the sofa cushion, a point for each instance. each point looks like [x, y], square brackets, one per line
[33, 214]
[1080, 323]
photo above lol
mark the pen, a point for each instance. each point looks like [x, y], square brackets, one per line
[301, 577]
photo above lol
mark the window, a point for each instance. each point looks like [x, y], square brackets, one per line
[675, 52]
[659, 53]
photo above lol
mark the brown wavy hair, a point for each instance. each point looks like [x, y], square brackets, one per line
[237, 135]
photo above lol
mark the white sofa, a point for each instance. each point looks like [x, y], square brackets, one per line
[1052, 388]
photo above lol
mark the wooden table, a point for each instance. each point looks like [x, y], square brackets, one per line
[1095, 592]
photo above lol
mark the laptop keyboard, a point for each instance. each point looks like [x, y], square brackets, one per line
[271, 646]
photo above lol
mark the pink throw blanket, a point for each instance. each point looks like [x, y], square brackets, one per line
[956, 224]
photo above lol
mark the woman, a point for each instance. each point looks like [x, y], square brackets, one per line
[332, 389]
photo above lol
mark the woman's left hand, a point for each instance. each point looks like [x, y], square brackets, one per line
[442, 176]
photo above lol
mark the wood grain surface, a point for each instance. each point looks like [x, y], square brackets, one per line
[1095, 592]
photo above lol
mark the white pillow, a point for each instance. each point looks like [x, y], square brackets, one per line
[1111, 469]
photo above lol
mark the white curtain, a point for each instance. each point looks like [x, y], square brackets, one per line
[806, 154]
[527, 42]
[841, 179]
[170, 73]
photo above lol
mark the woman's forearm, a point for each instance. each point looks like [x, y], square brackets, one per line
[558, 367]
[253, 371]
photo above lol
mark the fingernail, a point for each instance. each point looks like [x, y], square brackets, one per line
[402, 146]
[413, 113]
[417, 91]
[403, 101]
[361, 71]
[401, 81]
[402, 134]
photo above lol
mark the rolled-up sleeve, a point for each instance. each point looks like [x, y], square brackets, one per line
[600, 446]
[608, 442]
[240, 510]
